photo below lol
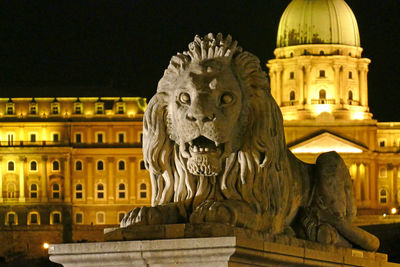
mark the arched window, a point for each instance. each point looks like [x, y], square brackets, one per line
[121, 165]
[292, 96]
[33, 218]
[322, 52]
[55, 191]
[33, 165]
[78, 191]
[383, 196]
[121, 191]
[350, 95]
[322, 94]
[55, 217]
[11, 166]
[33, 191]
[143, 191]
[11, 218]
[100, 191]
[100, 165]
[56, 165]
[78, 165]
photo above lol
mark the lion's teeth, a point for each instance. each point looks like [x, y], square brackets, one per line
[206, 149]
[195, 149]
[201, 149]
[216, 143]
[191, 143]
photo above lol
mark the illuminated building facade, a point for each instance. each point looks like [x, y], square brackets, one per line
[319, 80]
[70, 162]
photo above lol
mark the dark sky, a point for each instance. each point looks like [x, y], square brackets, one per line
[120, 48]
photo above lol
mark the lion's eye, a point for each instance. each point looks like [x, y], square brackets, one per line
[184, 98]
[226, 98]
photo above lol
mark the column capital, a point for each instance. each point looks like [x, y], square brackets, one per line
[110, 159]
[132, 159]
[45, 158]
[22, 158]
[89, 159]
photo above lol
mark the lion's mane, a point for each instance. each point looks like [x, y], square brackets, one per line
[257, 173]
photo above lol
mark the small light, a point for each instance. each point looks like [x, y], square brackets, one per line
[45, 245]
[384, 215]
[393, 210]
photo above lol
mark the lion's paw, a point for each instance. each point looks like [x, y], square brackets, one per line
[215, 212]
[142, 216]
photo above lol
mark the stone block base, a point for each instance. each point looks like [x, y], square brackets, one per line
[239, 247]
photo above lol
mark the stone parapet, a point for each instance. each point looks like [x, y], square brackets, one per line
[231, 250]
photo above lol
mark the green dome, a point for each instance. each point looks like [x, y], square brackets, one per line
[318, 22]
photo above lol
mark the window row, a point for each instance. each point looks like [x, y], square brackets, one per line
[33, 218]
[121, 191]
[55, 107]
[322, 74]
[100, 137]
[321, 95]
[33, 166]
[55, 191]
[100, 217]
[33, 137]
[100, 165]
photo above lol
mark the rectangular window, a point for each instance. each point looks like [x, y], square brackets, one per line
[121, 138]
[100, 218]
[350, 75]
[291, 75]
[33, 137]
[78, 138]
[99, 138]
[78, 218]
[322, 73]
[56, 137]
[33, 110]
[121, 194]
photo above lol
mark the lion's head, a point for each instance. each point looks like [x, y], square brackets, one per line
[213, 127]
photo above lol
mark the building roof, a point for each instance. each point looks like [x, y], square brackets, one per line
[318, 22]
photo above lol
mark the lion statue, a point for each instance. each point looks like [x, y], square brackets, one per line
[215, 147]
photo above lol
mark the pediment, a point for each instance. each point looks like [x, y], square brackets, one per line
[326, 142]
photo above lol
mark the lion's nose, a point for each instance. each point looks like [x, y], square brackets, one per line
[200, 117]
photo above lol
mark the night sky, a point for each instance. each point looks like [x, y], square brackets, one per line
[121, 48]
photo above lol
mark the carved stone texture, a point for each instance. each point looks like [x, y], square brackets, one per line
[214, 144]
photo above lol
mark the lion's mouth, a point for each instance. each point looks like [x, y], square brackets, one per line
[203, 145]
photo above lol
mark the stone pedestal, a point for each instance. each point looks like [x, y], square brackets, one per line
[174, 247]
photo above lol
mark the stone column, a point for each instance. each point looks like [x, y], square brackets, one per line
[44, 197]
[374, 189]
[301, 85]
[363, 86]
[67, 179]
[366, 184]
[21, 179]
[395, 189]
[279, 86]
[338, 95]
[89, 184]
[358, 182]
[308, 83]
[131, 179]
[111, 180]
[1, 181]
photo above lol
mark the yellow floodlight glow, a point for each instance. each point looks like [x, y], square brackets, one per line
[357, 115]
[45, 245]
[393, 210]
[323, 108]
